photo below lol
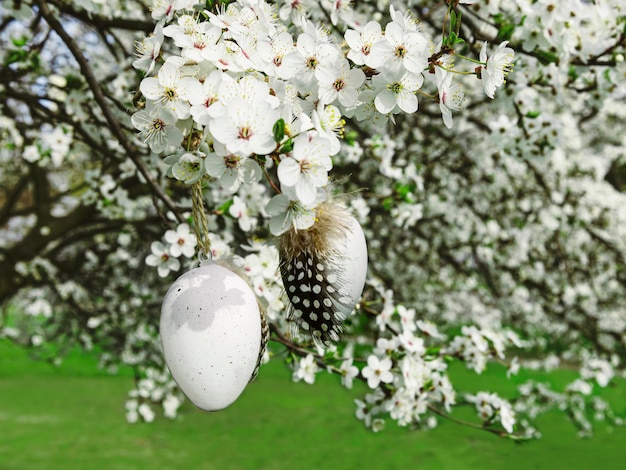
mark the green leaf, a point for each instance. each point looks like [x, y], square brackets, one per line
[453, 20]
[546, 57]
[388, 203]
[74, 82]
[224, 207]
[533, 114]
[15, 55]
[350, 138]
[19, 42]
[505, 33]
[287, 146]
[279, 130]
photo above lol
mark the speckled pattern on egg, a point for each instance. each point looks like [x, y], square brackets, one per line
[211, 334]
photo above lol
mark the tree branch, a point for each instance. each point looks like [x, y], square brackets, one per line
[100, 98]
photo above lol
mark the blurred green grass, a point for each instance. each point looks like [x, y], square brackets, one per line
[72, 417]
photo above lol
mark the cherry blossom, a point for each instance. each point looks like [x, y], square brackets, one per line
[361, 42]
[377, 371]
[498, 66]
[182, 241]
[396, 91]
[339, 82]
[451, 95]
[162, 259]
[307, 368]
[157, 128]
[307, 168]
[401, 49]
[514, 220]
[166, 90]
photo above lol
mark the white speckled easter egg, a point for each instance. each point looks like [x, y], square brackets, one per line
[351, 262]
[211, 335]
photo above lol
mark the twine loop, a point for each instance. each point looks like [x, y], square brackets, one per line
[200, 223]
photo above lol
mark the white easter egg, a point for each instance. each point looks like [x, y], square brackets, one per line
[211, 335]
[351, 262]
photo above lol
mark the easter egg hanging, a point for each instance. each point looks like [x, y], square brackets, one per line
[211, 335]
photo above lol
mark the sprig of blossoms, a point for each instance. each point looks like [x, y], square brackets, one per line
[254, 96]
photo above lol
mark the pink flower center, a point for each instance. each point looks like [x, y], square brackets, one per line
[339, 84]
[245, 133]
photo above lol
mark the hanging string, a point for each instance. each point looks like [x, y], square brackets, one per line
[200, 222]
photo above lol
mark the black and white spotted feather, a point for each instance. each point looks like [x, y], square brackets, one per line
[313, 289]
[265, 336]
[313, 277]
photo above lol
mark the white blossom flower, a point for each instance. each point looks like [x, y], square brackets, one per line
[157, 128]
[307, 367]
[162, 259]
[407, 318]
[348, 372]
[451, 95]
[240, 211]
[341, 8]
[360, 43]
[231, 170]
[328, 123]
[193, 37]
[377, 371]
[429, 329]
[513, 367]
[188, 167]
[202, 95]
[498, 65]
[246, 128]
[58, 142]
[313, 55]
[170, 404]
[166, 90]
[181, 241]
[412, 343]
[378, 424]
[39, 307]
[146, 412]
[488, 404]
[396, 91]
[401, 49]
[286, 213]
[363, 412]
[164, 10]
[131, 411]
[277, 56]
[507, 416]
[148, 51]
[307, 168]
[339, 82]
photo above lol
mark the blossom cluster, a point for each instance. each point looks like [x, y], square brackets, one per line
[407, 373]
[240, 95]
